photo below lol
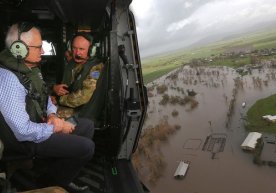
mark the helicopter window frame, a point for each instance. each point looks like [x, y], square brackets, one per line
[48, 48]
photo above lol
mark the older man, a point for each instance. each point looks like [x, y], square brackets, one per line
[30, 114]
[80, 77]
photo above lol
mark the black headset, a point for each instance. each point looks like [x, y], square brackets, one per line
[86, 36]
[19, 48]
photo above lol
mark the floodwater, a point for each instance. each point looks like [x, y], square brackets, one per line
[230, 170]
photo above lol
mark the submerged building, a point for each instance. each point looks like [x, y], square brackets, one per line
[250, 141]
[181, 170]
[270, 118]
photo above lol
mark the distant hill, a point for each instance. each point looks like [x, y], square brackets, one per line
[255, 29]
[156, 66]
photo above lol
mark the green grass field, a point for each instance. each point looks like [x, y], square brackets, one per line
[234, 63]
[255, 122]
[158, 66]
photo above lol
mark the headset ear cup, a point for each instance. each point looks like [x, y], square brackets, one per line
[89, 50]
[69, 45]
[19, 49]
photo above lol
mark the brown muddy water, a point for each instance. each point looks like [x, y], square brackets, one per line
[231, 170]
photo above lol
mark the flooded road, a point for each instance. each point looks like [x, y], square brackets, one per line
[228, 171]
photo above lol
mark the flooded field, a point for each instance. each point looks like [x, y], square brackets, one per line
[217, 163]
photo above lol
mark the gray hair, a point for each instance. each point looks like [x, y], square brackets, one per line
[12, 35]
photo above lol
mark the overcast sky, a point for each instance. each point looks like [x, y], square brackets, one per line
[164, 25]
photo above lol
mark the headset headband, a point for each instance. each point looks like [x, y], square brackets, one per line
[85, 36]
[19, 48]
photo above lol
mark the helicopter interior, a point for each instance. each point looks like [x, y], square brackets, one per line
[59, 20]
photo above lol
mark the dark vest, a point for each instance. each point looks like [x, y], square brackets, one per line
[31, 79]
[37, 98]
[79, 77]
[97, 101]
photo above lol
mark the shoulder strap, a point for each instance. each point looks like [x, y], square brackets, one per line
[77, 84]
[67, 74]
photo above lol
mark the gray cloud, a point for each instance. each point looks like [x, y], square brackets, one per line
[167, 25]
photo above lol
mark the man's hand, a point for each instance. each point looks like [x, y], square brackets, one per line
[68, 127]
[57, 122]
[60, 89]
[60, 125]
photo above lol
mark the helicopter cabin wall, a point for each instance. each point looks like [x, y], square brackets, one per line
[132, 108]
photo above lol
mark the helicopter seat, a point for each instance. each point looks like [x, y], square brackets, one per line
[15, 155]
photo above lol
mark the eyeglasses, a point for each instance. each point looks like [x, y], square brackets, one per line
[37, 47]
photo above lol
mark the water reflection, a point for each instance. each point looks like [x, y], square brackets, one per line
[218, 165]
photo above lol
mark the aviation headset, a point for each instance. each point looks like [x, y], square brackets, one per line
[19, 48]
[86, 36]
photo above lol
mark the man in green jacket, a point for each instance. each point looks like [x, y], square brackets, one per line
[80, 77]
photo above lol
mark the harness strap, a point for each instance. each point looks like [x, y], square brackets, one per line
[79, 77]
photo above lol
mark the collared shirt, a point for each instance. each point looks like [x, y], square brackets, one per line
[13, 108]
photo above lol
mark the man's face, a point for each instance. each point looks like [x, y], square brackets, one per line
[80, 47]
[35, 48]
